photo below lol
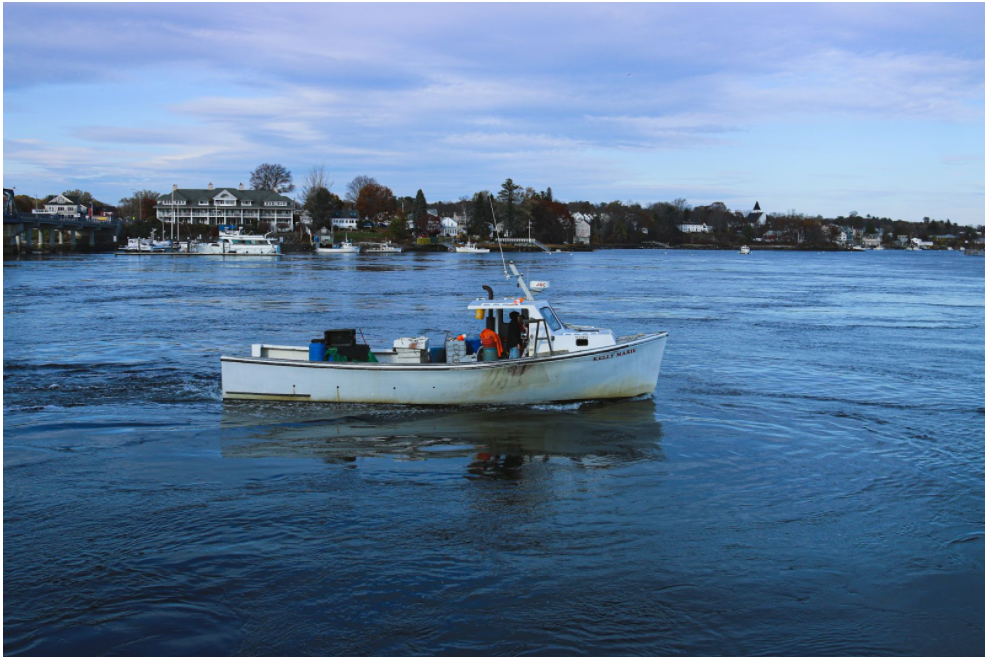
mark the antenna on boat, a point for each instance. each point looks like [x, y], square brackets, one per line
[496, 229]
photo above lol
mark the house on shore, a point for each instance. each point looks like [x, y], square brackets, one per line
[63, 206]
[694, 228]
[345, 220]
[583, 228]
[217, 206]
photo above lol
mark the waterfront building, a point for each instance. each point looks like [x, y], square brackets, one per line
[345, 220]
[449, 227]
[756, 216]
[583, 227]
[694, 228]
[226, 205]
[63, 206]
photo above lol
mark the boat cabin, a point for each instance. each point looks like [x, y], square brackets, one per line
[542, 330]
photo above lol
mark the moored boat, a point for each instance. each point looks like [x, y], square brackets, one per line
[744, 249]
[554, 362]
[470, 248]
[383, 248]
[237, 243]
[344, 247]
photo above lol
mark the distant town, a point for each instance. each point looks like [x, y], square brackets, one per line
[369, 210]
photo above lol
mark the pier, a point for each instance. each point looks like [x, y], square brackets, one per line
[28, 233]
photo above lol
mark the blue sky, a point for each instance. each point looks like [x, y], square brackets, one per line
[823, 109]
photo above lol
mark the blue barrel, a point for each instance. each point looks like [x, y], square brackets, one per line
[436, 354]
[488, 354]
[472, 345]
[316, 351]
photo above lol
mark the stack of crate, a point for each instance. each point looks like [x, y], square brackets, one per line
[411, 350]
[454, 350]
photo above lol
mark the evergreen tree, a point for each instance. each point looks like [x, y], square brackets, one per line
[420, 213]
[508, 195]
[480, 217]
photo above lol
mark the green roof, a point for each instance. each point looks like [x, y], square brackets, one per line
[196, 195]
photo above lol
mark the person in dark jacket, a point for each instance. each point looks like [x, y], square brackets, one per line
[513, 335]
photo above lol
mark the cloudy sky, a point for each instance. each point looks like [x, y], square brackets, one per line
[830, 108]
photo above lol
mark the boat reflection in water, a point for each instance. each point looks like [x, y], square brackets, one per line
[497, 441]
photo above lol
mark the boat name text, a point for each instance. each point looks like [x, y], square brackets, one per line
[609, 356]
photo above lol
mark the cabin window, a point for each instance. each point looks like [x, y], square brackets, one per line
[581, 342]
[550, 318]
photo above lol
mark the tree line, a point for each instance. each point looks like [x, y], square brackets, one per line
[518, 211]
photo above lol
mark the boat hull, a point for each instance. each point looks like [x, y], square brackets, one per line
[625, 370]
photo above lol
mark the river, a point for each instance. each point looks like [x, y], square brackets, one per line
[807, 479]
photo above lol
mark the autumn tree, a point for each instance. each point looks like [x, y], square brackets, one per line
[355, 186]
[375, 202]
[551, 221]
[272, 177]
[420, 212]
[139, 206]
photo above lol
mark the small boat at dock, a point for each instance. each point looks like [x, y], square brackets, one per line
[344, 247]
[470, 248]
[554, 362]
[382, 248]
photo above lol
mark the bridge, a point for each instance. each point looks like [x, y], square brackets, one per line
[27, 233]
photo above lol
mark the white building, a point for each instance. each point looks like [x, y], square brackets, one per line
[694, 228]
[449, 227]
[226, 205]
[583, 228]
[63, 206]
[348, 222]
[756, 215]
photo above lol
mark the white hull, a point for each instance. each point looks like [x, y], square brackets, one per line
[624, 370]
[336, 250]
[470, 249]
[212, 249]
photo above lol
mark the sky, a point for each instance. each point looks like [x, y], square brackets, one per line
[814, 108]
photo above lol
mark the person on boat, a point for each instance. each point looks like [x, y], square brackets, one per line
[490, 340]
[513, 333]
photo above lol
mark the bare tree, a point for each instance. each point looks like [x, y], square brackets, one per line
[274, 177]
[356, 186]
[315, 179]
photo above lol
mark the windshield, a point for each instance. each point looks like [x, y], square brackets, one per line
[550, 318]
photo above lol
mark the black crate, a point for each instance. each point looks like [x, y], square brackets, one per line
[340, 337]
[354, 352]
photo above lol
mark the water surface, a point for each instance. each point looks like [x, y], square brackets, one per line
[808, 478]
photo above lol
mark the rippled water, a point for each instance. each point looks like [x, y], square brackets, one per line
[808, 478]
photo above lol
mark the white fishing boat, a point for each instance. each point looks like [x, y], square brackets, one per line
[344, 247]
[470, 248]
[557, 362]
[744, 249]
[237, 243]
[382, 248]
